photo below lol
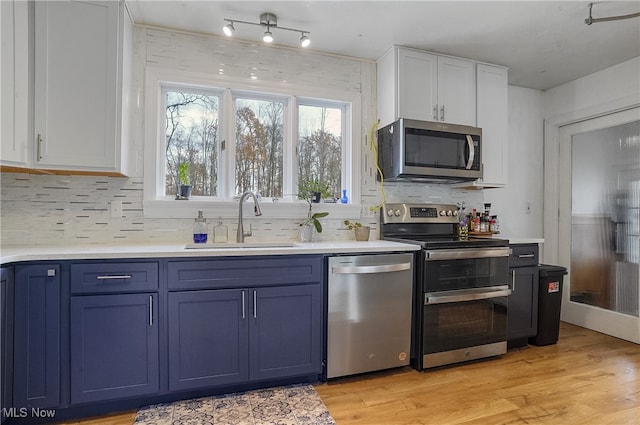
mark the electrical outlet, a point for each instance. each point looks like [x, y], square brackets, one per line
[528, 210]
[116, 209]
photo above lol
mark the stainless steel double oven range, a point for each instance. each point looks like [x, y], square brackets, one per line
[462, 287]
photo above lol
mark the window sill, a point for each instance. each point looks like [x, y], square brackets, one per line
[229, 209]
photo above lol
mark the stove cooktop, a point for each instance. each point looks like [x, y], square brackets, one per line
[432, 226]
[450, 243]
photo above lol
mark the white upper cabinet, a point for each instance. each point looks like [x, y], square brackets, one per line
[14, 85]
[417, 94]
[424, 86]
[82, 57]
[456, 91]
[492, 105]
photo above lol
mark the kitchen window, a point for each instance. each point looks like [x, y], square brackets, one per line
[239, 137]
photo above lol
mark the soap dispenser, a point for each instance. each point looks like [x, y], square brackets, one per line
[220, 232]
[200, 229]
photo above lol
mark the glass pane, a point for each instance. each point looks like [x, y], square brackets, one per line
[605, 216]
[259, 140]
[320, 146]
[191, 130]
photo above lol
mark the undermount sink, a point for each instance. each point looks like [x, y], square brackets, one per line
[235, 245]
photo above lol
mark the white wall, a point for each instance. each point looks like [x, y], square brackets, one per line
[597, 93]
[40, 209]
[75, 209]
[524, 180]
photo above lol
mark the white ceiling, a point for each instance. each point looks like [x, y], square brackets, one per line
[544, 43]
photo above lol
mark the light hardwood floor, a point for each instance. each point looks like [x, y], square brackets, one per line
[586, 378]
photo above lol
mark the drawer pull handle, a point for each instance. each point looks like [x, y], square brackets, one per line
[526, 255]
[115, 276]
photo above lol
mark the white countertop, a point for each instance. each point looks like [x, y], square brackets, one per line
[12, 254]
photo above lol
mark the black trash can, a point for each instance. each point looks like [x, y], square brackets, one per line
[549, 302]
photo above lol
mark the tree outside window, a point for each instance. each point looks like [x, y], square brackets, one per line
[259, 146]
[320, 145]
[191, 135]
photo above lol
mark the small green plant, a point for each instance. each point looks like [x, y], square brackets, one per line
[312, 219]
[308, 189]
[352, 225]
[183, 174]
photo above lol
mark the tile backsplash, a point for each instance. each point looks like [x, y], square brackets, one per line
[72, 210]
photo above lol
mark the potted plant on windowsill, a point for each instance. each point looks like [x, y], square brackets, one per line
[313, 190]
[361, 232]
[184, 188]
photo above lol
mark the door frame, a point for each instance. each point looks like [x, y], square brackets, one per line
[596, 318]
[552, 129]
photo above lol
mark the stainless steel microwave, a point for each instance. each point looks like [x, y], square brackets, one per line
[429, 151]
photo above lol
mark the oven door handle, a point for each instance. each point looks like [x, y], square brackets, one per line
[452, 297]
[465, 253]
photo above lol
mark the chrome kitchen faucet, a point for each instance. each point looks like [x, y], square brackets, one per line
[256, 207]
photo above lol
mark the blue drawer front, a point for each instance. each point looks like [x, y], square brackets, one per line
[233, 272]
[87, 278]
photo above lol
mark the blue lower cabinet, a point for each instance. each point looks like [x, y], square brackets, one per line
[6, 341]
[219, 337]
[285, 332]
[207, 338]
[36, 373]
[114, 346]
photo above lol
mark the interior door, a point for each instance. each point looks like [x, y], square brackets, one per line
[599, 222]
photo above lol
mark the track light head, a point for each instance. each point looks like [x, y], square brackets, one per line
[267, 37]
[228, 29]
[304, 40]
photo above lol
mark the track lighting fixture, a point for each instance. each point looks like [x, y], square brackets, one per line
[268, 21]
[590, 20]
[228, 29]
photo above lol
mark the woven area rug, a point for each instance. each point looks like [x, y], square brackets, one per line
[290, 405]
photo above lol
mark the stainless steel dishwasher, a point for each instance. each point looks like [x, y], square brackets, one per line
[369, 313]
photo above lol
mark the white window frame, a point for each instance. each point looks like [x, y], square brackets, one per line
[158, 205]
[212, 91]
[347, 176]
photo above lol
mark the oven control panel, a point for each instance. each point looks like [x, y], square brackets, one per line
[419, 213]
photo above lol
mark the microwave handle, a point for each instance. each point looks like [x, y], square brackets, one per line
[472, 152]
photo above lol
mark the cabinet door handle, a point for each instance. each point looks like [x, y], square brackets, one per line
[526, 255]
[243, 306]
[255, 305]
[513, 280]
[435, 112]
[113, 276]
[442, 113]
[39, 142]
[150, 310]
